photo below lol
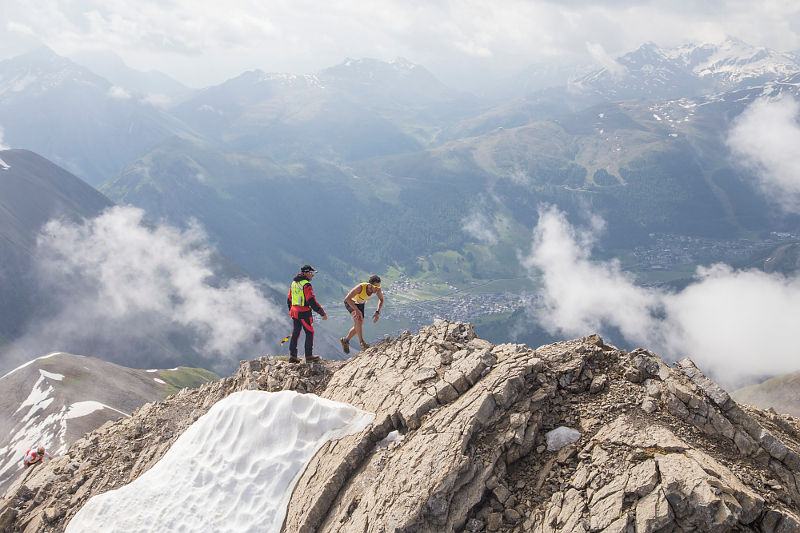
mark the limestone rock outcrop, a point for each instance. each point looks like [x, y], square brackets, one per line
[459, 443]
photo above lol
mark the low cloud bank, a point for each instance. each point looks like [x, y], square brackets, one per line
[736, 325]
[115, 283]
[764, 138]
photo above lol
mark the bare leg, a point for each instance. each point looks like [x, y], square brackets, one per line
[359, 327]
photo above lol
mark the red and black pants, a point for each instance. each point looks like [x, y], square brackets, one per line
[305, 323]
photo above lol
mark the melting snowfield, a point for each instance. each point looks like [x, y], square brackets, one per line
[233, 469]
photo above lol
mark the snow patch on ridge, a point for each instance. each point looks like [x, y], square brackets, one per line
[234, 469]
[51, 375]
[79, 409]
[39, 398]
[31, 362]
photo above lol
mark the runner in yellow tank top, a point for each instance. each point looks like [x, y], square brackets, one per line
[354, 303]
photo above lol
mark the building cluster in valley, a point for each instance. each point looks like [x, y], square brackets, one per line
[667, 250]
[457, 305]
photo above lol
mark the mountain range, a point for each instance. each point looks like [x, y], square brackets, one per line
[644, 167]
[653, 164]
[689, 70]
[377, 167]
[155, 87]
[75, 118]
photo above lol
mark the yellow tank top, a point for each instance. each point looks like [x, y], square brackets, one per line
[362, 296]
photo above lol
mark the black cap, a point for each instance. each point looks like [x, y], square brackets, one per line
[307, 268]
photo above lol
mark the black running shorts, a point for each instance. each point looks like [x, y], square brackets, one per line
[350, 309]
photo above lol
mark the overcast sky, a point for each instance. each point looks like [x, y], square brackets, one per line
[204, 42]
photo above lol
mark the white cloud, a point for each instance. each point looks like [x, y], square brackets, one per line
[117, 281]
[480, 227]
[118, 93]
[580, 295]
[160, 101]
[599, 54]
[765, 138]
[21, 29]
[736, 325]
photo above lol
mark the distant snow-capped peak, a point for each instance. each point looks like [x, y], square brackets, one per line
[275, 79]
[41, 70]
[370, 66]
[734, 59]
[398, 63]
[689, 69]
[310, 80]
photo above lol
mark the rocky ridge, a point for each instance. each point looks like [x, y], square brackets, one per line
[661, 448]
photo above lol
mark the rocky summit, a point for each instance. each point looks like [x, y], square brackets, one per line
[575, 436]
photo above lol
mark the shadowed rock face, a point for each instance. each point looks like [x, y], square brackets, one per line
[661, 448]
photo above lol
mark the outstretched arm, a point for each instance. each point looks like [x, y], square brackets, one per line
[377, 314]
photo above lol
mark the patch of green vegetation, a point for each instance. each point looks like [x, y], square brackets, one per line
[490, 322]
[602, 178]
[185, 377]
